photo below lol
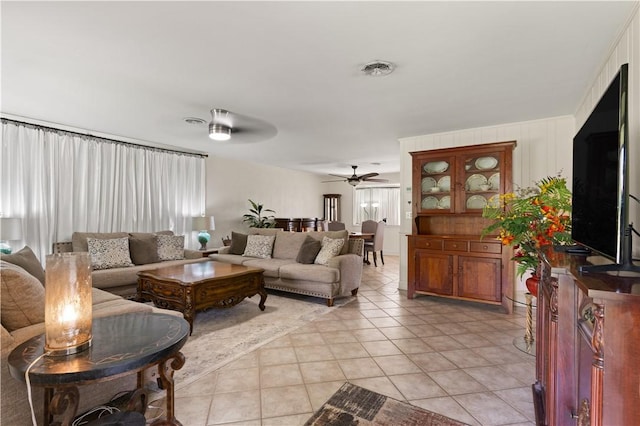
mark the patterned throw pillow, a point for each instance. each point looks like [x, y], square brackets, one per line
[259, 246]
[330, 248]
[107, 254]
[170, 247]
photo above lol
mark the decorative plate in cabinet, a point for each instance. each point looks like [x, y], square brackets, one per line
[436, 167]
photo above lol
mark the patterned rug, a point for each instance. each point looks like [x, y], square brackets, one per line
[352, 405]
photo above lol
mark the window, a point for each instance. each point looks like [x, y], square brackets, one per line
[377, 203]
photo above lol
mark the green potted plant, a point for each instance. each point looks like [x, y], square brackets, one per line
[255, 217]
[531, 218]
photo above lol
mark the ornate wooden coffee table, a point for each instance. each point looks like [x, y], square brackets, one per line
[197, 286]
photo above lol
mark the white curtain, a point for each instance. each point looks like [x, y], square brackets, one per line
[60, 182]
[377, 203]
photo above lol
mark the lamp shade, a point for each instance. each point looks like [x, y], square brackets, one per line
[68, 306]
[203, 223]
[10, 228]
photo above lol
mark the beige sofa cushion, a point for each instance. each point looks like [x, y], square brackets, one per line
[21, 297]
[318, 273]
[27, 260]
[288, 244]
[271, 266]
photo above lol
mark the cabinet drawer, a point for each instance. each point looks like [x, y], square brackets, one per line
[483, 247]
[456, 245]
[430, 244]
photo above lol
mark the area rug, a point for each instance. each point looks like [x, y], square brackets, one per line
[223, 335]
[352, 405]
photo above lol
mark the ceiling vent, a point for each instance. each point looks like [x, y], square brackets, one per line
[378, 68]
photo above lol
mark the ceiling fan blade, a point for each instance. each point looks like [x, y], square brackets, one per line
[375, 180]
[340, 176]
[341, 180]
[368, 175]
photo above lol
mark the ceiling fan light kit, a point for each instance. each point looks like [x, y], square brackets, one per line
[218, 132]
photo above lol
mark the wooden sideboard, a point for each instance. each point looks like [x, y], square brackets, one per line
[587, 345]
[297, 224]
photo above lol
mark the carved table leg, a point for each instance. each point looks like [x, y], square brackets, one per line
[60, 402]
[177, 361]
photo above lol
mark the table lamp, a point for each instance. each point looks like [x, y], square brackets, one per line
[203, 224]
[10, 229]
[68, 305]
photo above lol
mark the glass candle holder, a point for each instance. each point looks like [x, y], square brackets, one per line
[68, 303]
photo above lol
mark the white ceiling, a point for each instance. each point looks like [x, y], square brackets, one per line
[136, 69]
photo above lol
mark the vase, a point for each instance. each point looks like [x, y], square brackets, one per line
[532, 284]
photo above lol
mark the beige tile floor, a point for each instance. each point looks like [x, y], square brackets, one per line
[454, 358]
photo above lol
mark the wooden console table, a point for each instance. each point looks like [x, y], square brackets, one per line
[587, 345]
[297, 224]
[121, 344]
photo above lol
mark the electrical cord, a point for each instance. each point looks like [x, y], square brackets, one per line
[28, 382]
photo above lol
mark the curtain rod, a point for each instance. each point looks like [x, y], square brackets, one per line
[108, 140]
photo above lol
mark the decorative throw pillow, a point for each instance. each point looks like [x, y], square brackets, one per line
[143, 248]
[309, 251]
[107, 254]
[330, 248]
[27, 260]
[259, 246]
[21, 297]
[170, 247]
[238, 243]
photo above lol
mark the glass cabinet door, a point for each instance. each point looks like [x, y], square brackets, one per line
[436, 185]
[482, 183]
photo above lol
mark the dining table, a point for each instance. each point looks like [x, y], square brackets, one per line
[367, 236]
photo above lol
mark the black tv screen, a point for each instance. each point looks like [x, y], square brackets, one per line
[599, 172]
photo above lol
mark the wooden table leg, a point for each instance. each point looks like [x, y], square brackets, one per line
[177, 361]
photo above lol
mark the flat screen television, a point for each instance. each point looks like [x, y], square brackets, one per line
[600, 218]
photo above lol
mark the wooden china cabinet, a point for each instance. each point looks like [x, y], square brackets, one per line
[446, 254]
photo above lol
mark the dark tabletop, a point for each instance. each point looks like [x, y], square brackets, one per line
[121, 344]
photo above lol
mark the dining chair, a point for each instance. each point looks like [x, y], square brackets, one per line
[336, 226]
[378, 239]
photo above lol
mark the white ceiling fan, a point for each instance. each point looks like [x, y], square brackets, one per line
[354, 179]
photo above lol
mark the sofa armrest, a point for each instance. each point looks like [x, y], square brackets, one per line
[224, 250]
[350, 267]
[192, 254]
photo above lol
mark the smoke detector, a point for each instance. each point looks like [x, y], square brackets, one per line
[378, 68]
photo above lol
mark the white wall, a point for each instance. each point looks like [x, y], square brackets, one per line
[290, 193]
[230, 183]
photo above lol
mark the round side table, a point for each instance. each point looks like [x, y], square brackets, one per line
[121, 344]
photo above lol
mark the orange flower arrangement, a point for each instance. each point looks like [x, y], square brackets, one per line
[530, 218]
